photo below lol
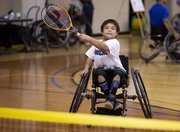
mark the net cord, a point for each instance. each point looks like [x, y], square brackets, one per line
[89, 119]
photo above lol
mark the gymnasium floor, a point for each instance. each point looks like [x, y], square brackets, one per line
[41, 81]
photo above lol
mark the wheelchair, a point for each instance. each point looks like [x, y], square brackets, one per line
[175, 21]
[97, 97]
[151, 45]
[53, 38]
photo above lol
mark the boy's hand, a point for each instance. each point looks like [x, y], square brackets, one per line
[83, 37]
[84, 72]
[177, 36]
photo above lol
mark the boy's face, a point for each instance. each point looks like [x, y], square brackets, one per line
[109, 31]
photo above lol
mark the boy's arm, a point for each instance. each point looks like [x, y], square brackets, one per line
[88, 64]
[98, 44]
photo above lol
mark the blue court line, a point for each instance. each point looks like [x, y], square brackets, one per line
[53, 80]
[157, 113]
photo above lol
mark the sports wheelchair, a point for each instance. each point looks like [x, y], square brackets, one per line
[155, 42]
[97, 97]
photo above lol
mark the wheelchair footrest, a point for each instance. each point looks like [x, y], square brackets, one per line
[105, 111]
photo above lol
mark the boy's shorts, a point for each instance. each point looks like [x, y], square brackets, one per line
[109, 74]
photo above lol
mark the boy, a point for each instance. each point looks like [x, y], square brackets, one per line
[109, 72]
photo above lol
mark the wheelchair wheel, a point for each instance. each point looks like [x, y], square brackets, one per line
[172, 48]
[57, 39]
[146, 52]
[141, 93]
[81, 89]
[38, 35]
[176, 22]
[53, 38]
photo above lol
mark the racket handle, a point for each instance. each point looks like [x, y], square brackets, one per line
[74, 30]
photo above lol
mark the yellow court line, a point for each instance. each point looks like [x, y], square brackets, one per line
[90, 119]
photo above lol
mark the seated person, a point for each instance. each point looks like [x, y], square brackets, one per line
[159, 22]
[158, 33]
[108, 73]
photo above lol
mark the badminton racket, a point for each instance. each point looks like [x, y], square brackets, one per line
[56, 17]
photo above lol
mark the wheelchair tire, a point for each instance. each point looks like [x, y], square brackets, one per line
[141, 93]
[172, 48]
[175, 21]
[38, 36]
[145, 51]
[58, 39]
[37, 31]
[78, 97]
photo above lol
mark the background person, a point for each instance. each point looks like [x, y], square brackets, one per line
[159, 22]
[88, 11]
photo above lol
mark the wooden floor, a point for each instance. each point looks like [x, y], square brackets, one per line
[41, 81]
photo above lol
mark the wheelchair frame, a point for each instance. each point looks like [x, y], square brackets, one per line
[95, 95]
[147, 53]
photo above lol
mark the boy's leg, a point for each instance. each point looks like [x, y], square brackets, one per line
[115, 86]
[118, 76]
[111, 102]
[100, 79]
[105, 88]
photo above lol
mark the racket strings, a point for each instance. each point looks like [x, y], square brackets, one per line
[56, 18]
[50, 21]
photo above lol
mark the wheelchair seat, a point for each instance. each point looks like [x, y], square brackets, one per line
[158, 33]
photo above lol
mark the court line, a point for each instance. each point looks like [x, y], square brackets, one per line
[159, 84]
[26, 89]
[165, 102]
[53, 78]
[30, 74]
[155, 112]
